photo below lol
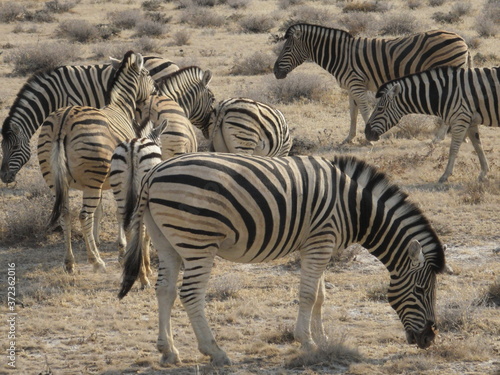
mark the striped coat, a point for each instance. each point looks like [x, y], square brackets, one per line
[364, 64]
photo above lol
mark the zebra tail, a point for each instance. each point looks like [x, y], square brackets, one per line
[131, 195]
[61, 187]
[133, 256]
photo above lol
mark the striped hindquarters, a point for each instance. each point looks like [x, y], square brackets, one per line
[241, 125]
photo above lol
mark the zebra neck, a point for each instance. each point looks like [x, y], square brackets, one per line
[332, 51]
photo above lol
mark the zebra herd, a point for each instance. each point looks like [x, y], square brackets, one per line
[128, 126]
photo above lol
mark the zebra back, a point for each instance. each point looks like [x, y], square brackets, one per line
[45, 92]
[189, 88]
[242, 125]
[179, 137]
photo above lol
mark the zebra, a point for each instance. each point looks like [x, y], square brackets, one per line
[364, 64]
[251, 209]
[463, 98]
[45, 92]
[131, 160]
[242, 125]
[75, 146]
[185, 100]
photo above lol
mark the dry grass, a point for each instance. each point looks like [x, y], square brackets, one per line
[74, 324]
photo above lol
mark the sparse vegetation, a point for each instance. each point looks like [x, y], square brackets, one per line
[252, 308]
[77, 30]
[30, 59]
[257, 24]
[401, 24]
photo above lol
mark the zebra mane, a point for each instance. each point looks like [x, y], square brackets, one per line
[381, 90]
[379, 185]
[310, 26]
[117, 73]
[191, 71]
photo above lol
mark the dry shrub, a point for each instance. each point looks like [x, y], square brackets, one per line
[78, 30]
[10, 12]
[151, 5]
[447, 18]
[399, 24]
[257, 63]
[473, 193]
[105, 50]
[358, 23]
[181, 38]
[481, 59]
[415, 127]
[414, 4]
[408, 364]
[239, 4]
[148, 28]
[367, 6]
[28, 222]
[285, 4]
[145, 44]
[309, 14]
[472, 348]
[436, 3]
[31, 58]
[282, 335]
[125, 19]
[257, 24]
[298, 86]
[202, 18]
[39, 16]
[377, 292]
[224, 287]
[461, 9]
[332, 353]
[159, 17]
[492, 297]
[303, 146]
[59, 7]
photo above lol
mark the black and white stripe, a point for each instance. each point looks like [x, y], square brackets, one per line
[252, 209]
[46, 92]
[130, 162]
[185, 99]
[246, 126]
[463, 98]
[364, 64]
[75, 148]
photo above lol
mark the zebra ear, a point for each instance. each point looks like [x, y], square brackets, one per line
[115, 63]
[207, 77]
[139, 61]
[415, 252]
[394, 91]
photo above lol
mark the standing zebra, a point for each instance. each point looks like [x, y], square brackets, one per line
[184, 100]
[131, 160]
[251, 209]
[241, 125]
[75, 148]
[462, 98]
[362, 64]
[46, 92]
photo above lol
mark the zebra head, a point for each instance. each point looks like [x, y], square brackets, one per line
[387, 112]
[412, 294]
[16, 151]
[295, 51]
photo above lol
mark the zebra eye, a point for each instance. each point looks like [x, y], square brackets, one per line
[419, 290]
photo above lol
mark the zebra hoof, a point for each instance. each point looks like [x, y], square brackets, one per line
[69, 268]
[99, 267]
[221, 360]
[169, 359]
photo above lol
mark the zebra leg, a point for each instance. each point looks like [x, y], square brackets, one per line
[311, 295]
[458, 132]
[473, 133]
[65, 221]
[318, 331]
[90, 197]
[441, 133]
[166, 293]
[145, 270]
[97, 222]
[192, 294]
[353, 111]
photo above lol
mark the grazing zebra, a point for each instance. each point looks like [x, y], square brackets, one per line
[184, 100]
[75, 148]
[131, 160]
[252, 209]
[463, 98]
[46, 92]
[241, 125]
[362, 64]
